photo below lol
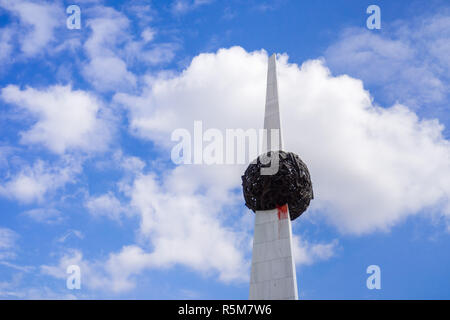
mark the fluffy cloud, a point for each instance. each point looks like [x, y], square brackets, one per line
[106, 205]
[66, 119]
[409, 63]
[371, 166]
[106, 70]
[176, 216]
[177, 229]
[306, 253]
[113, 275]
[38, 19]
[106, 73]
[113, 50]
[224, 91]
[33, 183]
[91, 277]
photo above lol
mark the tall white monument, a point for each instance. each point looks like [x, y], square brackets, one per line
[273, 267]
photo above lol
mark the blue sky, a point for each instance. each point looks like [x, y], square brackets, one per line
[86, 176]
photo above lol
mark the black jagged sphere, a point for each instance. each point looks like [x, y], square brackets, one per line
[291, 184]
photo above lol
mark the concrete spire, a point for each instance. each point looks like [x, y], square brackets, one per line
[273, 268]
[273, 141]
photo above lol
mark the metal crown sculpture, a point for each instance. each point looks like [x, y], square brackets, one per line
[290, 185]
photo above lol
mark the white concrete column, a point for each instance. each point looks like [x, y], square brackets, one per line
[273, 269]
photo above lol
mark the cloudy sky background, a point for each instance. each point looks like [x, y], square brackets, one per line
[86, 119]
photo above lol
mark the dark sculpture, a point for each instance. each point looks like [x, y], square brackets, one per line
[291, 184]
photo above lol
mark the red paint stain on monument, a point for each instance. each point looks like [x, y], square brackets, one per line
[282, 212]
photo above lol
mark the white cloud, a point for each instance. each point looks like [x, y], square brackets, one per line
[122, 266]
[106, 205]
[143, 13]
[436, 33]
[106, 70]
[177, 223]
[66, 119]
[33, 183]
[112, 51]
[6, 46]
[71, 257]
[39, 20]
[17, 267]
[371, 166]
[108, 30]
[5, 152]
[156, 54]
[174, 223]
[107, 73]
[16, 288]
[201, 93]
[129, 163]
[112, 275]
[306, 253]
[46, 215]
[409, 64]
[148, 34]
[183, 6]
[70, 234]
[8, 240]
[40, 293]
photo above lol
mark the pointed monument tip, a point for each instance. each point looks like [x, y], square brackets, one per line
[272, 60]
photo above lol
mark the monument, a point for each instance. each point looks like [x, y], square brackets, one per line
[277, 194]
